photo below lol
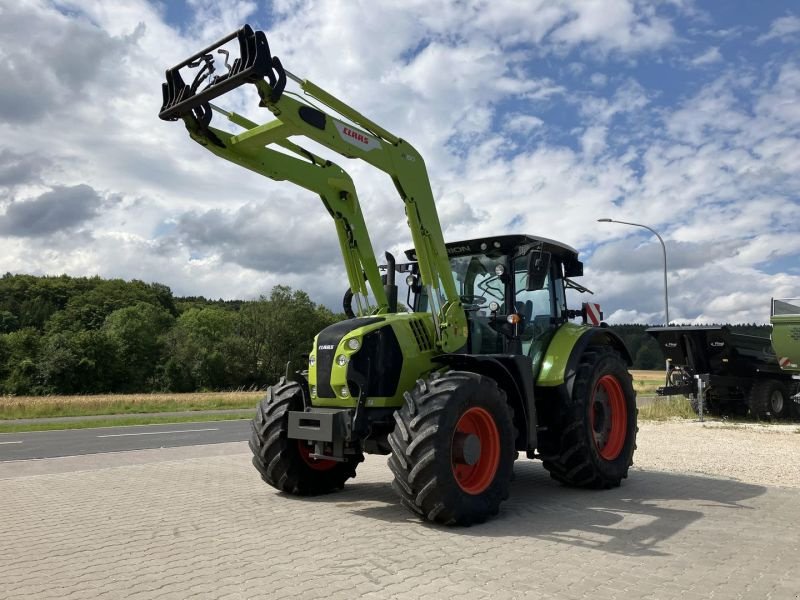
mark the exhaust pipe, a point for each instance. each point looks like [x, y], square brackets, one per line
[389, 286]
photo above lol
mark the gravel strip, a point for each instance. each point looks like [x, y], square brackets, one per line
[752, 453]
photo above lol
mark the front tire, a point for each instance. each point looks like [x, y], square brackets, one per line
[453, 448]
[286, 463]
[597, 423]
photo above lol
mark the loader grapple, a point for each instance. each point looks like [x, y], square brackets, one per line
[254, 63]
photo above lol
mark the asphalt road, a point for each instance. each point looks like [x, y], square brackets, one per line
[71, 442]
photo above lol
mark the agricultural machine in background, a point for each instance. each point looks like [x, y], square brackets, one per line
[730, 373]
[785, 320]
[486, 364]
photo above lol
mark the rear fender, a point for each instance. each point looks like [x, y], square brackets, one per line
[563, 355]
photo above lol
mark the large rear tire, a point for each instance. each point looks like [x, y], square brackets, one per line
[769, 399]
[453, 448]
[285, 463]
[598, 424]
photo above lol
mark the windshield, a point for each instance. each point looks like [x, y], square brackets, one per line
[477, 282]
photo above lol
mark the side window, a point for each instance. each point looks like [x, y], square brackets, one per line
[535, 304]
[536, 307]
[560, 296]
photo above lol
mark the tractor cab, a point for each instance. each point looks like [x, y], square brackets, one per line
[513, 290]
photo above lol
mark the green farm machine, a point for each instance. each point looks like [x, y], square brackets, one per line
[785, 320]
[484, 365]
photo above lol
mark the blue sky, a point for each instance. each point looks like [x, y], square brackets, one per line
[537, 116]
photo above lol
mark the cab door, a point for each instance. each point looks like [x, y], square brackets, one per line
[541, 308]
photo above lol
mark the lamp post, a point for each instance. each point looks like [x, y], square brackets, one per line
[664, 250]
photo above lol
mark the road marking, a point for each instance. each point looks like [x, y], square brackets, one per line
[19, 442]
[157, 432]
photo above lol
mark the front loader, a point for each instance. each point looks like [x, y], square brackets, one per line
[484, 366]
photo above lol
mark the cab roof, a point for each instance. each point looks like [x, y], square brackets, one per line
[508, 244]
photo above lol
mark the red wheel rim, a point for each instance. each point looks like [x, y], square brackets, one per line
[609, 417]
[315, 463]
[475, 478]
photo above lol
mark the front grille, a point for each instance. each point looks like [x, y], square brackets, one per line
[421, 335]
[380, 361]
[327, 341]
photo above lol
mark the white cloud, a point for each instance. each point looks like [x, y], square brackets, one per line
[523, 123]
[476, 86]
[781, 29]
[615, 25]
[710, 56]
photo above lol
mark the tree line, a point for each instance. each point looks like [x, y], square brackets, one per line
[70, 335]
[79, 335]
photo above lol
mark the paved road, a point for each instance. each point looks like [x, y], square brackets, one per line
[245, 413]
[197, 522]
[70, 442]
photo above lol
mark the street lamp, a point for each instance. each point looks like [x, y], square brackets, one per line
[664, 250]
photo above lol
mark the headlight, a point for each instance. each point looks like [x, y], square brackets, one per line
[312, 360]
[353, 344]
[499, 270]
[313, 391]
[341, 360]
[345, 392]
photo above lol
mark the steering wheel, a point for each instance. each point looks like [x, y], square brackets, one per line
[473, 300]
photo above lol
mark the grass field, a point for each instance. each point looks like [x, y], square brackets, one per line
[664, 409]
[646, 382]
[34, 407]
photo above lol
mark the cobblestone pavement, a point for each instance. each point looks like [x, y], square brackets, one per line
[198, 523]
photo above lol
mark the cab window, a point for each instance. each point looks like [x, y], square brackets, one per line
[536, 307]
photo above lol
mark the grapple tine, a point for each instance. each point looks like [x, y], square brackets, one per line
[254, 63]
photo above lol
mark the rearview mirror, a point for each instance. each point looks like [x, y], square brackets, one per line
[538, 267]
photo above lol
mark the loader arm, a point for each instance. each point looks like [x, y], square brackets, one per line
[328, 180]
[355, 137]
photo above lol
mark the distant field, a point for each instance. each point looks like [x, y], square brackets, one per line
[646, 382]
[32, 407]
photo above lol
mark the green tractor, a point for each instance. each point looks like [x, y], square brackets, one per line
[484, 366]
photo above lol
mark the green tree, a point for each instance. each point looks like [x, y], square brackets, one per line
[649, 356]
[204, 352]
[279, 329]
[137, 333]
[82, 362]
[22, 352]
[90, 308]
[8, 321]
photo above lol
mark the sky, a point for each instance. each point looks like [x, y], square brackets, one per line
[535, 117]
